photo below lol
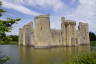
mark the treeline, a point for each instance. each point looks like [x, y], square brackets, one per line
[12, 38]
[92, 36]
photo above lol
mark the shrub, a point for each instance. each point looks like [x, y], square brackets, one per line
[3, 59]
[86, 58]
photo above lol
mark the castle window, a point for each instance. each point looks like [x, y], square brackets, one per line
[84, 38]
[59, 41]
[41, 27]
[79, 27]
[61, 33]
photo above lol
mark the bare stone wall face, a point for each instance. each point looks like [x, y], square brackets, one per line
[84, 33]
[31, 33]
[68, 33]
[27, 34]
[63, 32]
[70, 29]
[20, 36]
[43, 36]
[56, 36]
[73, 34]
[78, 37]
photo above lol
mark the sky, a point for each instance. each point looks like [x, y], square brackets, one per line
[77, 10]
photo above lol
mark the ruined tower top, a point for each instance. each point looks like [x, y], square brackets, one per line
[83, 24]
[67, 22]
[42, 16]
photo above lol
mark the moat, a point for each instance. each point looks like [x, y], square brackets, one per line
[29, 55]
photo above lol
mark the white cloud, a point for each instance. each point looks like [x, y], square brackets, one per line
[19, 8]
[44, 4]
[85, 12]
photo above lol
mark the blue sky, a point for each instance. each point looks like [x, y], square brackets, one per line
[77, 10]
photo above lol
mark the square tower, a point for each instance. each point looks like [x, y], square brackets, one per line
[42, 31]
[84, 33]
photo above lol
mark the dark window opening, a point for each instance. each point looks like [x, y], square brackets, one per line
[41, 27]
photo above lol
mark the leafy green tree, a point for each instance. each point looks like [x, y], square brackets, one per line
[12, 38]
[1, 10]
[5, 25]
[92, 36]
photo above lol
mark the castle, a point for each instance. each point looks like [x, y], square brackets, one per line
[41, 35]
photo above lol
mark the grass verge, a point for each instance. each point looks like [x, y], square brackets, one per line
[8, 43]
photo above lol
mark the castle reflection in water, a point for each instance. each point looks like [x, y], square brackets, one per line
[61, 55]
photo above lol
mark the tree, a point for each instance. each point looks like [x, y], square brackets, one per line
[92, 36]
[5, 25]
[1, 10]
[12, 38]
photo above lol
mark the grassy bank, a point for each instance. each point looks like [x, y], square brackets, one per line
[85, 58]
[92, 43]
[8, 43]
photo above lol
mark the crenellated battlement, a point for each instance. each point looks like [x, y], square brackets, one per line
[42, 16]
[67, 22]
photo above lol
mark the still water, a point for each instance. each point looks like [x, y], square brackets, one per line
[29, 55]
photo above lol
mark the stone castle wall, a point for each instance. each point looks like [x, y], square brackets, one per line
[56, 36]
[84, 33]
[43, 36]
[42, 31]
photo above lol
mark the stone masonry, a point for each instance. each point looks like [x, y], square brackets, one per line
[41, 35]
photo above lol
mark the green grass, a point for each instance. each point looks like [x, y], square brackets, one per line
[8, 43]
[93, 43]
[85, 58]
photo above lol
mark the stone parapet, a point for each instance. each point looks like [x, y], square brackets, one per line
[42, 16]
